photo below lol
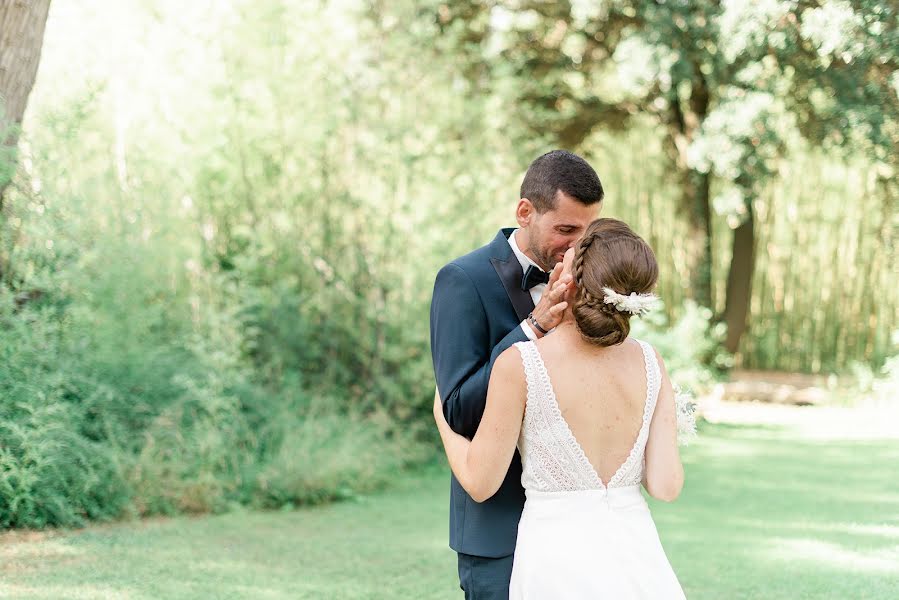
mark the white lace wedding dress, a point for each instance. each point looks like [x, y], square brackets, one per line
[577, 537]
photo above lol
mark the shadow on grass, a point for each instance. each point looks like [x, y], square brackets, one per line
[769, 515]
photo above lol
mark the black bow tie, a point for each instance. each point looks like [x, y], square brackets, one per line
[533, 276]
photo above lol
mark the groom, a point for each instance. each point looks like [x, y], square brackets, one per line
[483, 303]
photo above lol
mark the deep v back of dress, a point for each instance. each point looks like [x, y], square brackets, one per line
[577, 537]
[552, 458]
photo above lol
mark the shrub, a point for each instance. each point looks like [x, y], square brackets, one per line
[52, 476]
[327, 457]
[690, 347]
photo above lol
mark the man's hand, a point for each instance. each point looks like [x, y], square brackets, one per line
[548, 312]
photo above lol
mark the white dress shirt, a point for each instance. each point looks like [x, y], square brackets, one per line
[536, 291]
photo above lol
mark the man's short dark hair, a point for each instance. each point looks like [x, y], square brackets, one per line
[564, 171]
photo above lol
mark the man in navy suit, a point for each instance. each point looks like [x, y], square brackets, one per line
[485, 301]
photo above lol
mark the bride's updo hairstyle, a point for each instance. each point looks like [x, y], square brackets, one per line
[609, 255]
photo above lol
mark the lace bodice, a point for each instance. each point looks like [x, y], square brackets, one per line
[552, 459]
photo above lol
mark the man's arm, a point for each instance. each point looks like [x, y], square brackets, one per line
[460, 348]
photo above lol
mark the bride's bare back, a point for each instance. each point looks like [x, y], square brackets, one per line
[601, 393]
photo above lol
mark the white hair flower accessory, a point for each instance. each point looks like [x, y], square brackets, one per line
[635, 304]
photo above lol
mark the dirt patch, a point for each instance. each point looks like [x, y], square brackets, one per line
[23, 551]
[776, 387]
[24, 536]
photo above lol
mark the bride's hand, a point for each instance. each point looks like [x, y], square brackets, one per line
[438, 408]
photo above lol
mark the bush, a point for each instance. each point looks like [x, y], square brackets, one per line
[868, 384]
[99, 434]
[691, 347]
[196, 453]
[51, 474]
[328, 457]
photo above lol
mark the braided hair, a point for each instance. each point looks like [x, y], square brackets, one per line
[609, 255]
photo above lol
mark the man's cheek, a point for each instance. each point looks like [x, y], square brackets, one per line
[566, 243]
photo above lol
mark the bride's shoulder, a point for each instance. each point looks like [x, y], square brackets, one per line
[508, 372]
[638, 346]
[511, 360]
[641, 344]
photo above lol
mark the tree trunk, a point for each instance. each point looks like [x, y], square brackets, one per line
[739, 281]
[22, 25]
[684, 121]
[696, 203]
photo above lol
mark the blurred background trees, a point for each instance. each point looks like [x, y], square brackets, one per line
[235, 211]
[21, 38]
[727, 88]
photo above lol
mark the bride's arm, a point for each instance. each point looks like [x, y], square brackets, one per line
[663, 476]
[481, 465]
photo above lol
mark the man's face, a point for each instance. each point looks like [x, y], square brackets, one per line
[552, 233]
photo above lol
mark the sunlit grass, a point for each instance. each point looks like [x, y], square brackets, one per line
[766, 513]
[769, 514]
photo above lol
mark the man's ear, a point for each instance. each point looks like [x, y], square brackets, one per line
[524, 212]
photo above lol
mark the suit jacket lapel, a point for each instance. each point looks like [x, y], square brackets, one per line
[510, 273]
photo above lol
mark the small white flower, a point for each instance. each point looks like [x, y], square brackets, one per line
[685, 409]
[635, 304]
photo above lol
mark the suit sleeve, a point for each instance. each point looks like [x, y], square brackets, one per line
[461, 350]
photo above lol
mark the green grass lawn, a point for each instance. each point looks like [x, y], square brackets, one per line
[764, 514]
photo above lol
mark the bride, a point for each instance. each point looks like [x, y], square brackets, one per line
[592, 412]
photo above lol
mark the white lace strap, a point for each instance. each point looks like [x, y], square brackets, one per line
[531, 372]
[653, 379]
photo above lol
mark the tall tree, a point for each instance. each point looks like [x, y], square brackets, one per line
[22, 24]
[730, 86]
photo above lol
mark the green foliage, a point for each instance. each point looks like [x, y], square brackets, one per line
[50, 473]
[730, 89]
[879, 387]
[197, 454]
[215, 270]
[728, 82]
[181, 428]
[690, 346]
[327, 457]
[52, 476]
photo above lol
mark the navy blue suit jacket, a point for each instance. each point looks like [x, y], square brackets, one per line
[476, 310]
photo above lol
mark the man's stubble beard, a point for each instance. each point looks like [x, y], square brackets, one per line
[543, 261]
